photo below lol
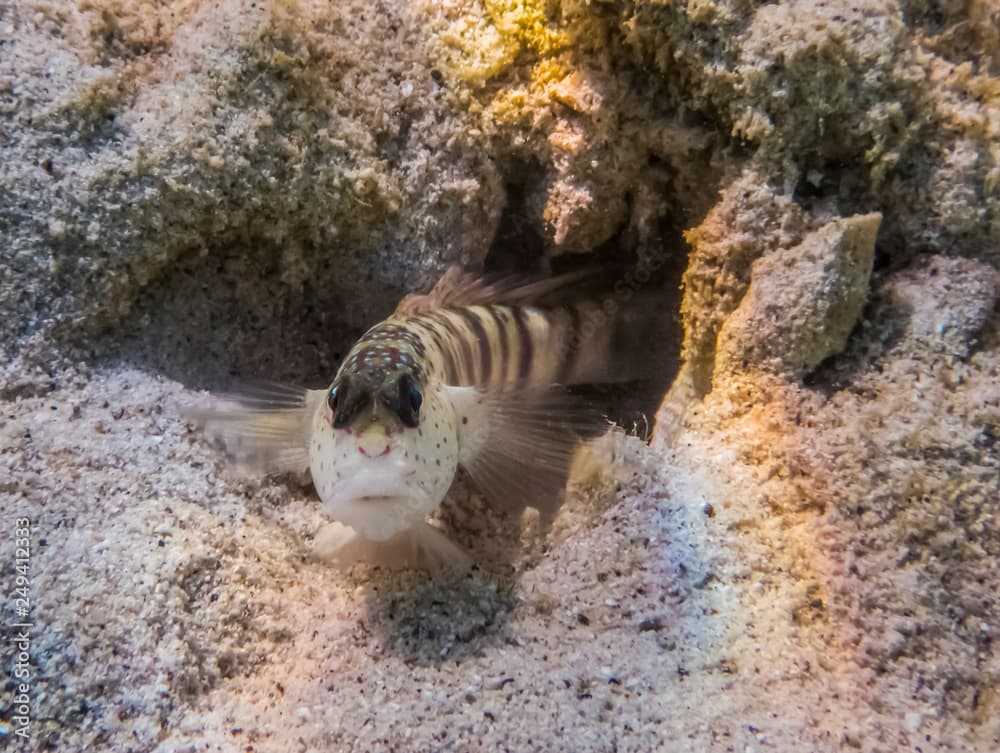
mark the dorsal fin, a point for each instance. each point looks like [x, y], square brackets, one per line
[458, 287]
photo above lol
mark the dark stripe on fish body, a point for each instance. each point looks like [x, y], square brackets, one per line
[448, 365]
[418, 348]
[460, 341]
[569, 345]
[526, 350]
[475, 324]
[449, 342]
[503, 341]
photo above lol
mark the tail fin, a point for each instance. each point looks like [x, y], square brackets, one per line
[621, 338]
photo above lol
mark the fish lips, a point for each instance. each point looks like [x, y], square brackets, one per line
[378, 505]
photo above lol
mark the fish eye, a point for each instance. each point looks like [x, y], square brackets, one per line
[346, 400]
[408, 401]
[416, 399]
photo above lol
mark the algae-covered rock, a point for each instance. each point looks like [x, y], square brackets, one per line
[846, 102]
[751, 217]
[139, 136]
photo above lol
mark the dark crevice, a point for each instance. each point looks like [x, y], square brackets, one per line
[641, 267]
[517, 247]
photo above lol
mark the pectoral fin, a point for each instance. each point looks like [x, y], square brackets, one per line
[518, 446]
[264, 428]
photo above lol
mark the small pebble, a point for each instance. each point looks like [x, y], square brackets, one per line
[608, 675]
[650, 623]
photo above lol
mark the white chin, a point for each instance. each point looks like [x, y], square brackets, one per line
[377, 507]
[365, 483]
[376, 500]
[378, 518]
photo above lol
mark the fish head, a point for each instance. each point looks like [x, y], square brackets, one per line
[383, 451]
[391, 398]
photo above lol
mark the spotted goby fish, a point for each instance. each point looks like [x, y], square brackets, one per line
[471, 374]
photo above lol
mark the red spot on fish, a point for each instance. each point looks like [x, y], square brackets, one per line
[465, 419]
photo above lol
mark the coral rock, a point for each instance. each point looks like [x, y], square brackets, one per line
[802, 302]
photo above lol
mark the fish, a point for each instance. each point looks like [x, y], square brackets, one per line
[472, 375]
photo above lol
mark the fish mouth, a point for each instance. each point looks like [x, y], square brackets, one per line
[374, 455]
[371, 487]
[378, 505]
